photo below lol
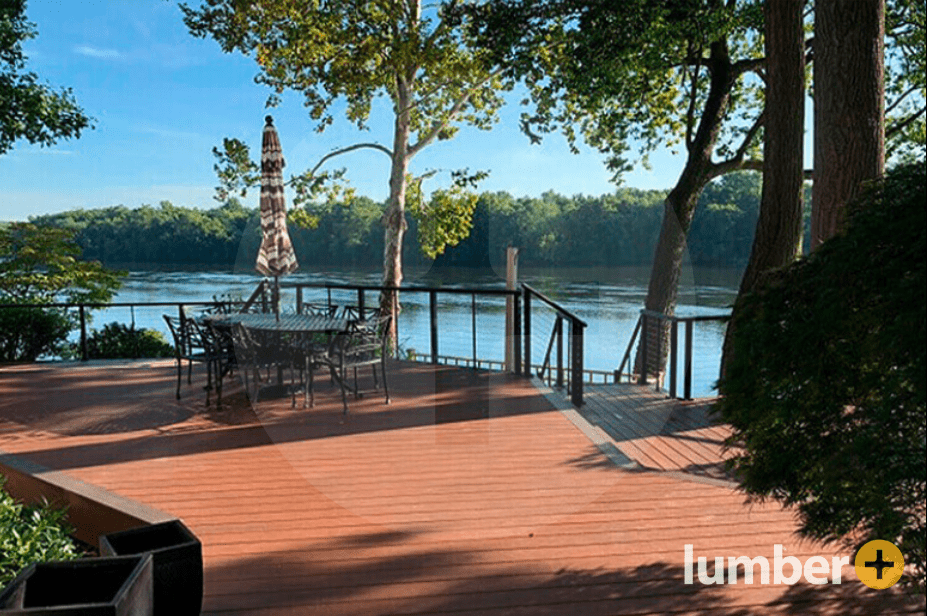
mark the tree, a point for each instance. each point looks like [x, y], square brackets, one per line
[826, 391]
[421, 60]
[28, 109]
[849, 95]
[41, 265]
[777, 241]
[660, 73]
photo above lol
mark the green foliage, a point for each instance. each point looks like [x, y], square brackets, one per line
[119, 341]
[40, 264]
[634, 72]
[29, 333]
[445, 220]
[418, 58]
[608, 230]
[28, 109]
[827, 386]
[31, 534]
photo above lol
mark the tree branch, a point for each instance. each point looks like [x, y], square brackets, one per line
[438, 126]
[350, 148]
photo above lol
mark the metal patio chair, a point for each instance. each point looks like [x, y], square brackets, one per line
[189, 346]
[365, 343]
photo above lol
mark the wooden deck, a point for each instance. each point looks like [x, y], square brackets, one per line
[471, 494]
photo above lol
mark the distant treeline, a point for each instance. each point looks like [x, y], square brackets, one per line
[612, 230]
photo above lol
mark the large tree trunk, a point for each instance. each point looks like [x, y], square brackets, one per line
[849, 93]
[679, 208]
[778, 230]
[394, 219]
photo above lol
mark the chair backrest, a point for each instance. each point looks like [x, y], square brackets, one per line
[354, 313]
[320, 309]
[187, 335]
[364, 341]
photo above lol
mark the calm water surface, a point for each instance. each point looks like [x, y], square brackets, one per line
[608, 299]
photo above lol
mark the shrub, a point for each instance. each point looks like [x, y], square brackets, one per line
[28, 333]
[31, 534]
[118, 341]
[826, 387]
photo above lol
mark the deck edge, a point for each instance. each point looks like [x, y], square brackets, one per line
[92, 510]
[598, 438]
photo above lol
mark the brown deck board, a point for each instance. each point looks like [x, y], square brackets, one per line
[471, 494]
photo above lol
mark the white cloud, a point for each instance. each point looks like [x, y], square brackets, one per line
[97, 52]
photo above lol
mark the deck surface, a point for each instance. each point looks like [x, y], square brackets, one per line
[471, 494]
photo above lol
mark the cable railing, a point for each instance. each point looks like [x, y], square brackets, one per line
[647, 330]
[560, 367]
[84, 309]
[479, 302]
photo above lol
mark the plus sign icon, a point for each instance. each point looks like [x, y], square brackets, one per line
[879, 564]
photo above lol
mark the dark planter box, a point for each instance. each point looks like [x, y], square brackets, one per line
[120, 586]
[177, 564]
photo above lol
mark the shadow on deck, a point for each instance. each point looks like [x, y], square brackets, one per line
[469, 495]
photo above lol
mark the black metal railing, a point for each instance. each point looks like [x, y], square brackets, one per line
[362, 296]
[83, 313]
[553, 370]
[647, 324]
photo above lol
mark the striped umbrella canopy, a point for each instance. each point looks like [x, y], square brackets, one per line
[275, 256]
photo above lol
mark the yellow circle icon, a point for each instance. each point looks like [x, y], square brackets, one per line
[879, 564]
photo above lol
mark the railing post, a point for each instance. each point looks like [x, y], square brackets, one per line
[642, 380]
[360, 302]
[516, 332]
[299, 300]
[527, 367]
[674, 339]
[576, 350]
[558, 328]
[687, 378]
[473, 325]
[83, 333]
[433, 324]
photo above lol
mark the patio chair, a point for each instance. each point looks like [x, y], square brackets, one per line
[221, 355]
[365, 343]
[188, 345]
[255, 353]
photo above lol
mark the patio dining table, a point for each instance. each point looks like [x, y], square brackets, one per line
[286, 330]
[286, 323]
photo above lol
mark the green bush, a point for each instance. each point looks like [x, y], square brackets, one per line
[28, 333]
[827, 385]
[31, 534]
[118, 341]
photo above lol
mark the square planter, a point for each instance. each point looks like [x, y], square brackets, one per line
[120, 586]
[177, 561]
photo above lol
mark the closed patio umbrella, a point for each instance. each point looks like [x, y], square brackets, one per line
[275, 256]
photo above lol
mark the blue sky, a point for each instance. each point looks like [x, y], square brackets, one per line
[161, 100]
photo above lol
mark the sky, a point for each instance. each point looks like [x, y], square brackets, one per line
[161, 99]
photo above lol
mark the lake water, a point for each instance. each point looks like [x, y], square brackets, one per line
[608, 299]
